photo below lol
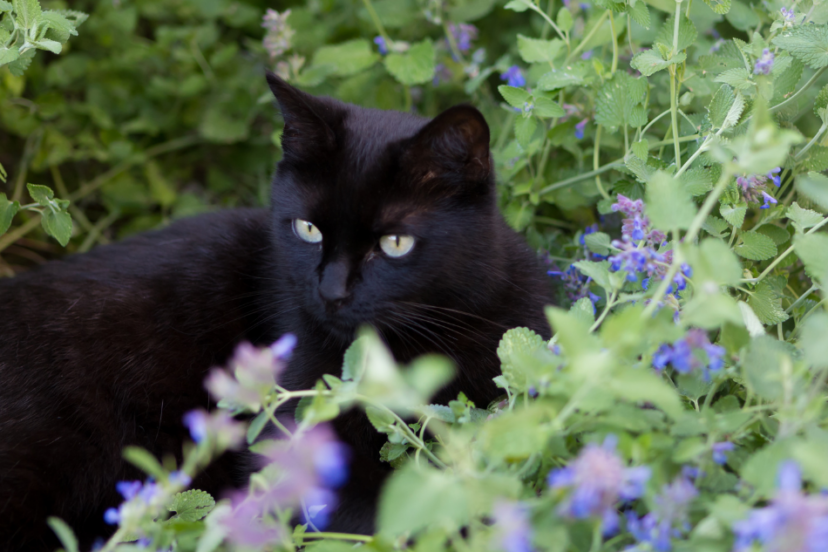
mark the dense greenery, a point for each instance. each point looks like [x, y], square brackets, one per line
[666, 158]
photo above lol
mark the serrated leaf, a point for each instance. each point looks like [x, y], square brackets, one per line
[64, 534]
[715, 226]
[720, 7]
[777, 234]
[50, 45]
[391, 451]
[808, 43]
[416, 66]
[7, 211]
[617, 98]
[650, 61]
[514, 345]
[8, 55]
[598, 242]
[19, 66]
[640, 13]
[642, 171]
[57, 224]
[60, 28]
[192, 505]
[351, 57]
[815, 186]
[524, 129]
[752, 323]
[668, 205]
[686, 37]
[738, 78]
[381, 419]
[766, 303]
[697, 181]
[598, 271]
[42, 195]
[516, 97]
[802, 218]
[735, 111]
[755, 246]
[584, 310]
[534, 50]
[559, 78]
[812, 250]
[641, 149]
[28, 12]
[817, 159]
[546, 108]
[734, 214]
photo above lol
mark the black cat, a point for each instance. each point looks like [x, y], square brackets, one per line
[377, 217]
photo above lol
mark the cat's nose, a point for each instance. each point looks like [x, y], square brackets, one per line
[333, 287]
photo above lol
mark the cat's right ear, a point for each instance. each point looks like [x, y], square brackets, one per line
[307, 133]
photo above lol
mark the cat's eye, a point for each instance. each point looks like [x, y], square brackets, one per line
[306, 231]
[396, 245]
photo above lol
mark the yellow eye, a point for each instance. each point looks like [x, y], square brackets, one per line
[306, 231]
[395, 245]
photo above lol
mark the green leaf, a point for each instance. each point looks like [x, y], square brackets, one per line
[777, 234]
[668, 204]
[718, 6]
[598, 242]
[697, 181]
[28, 12]
[650, 61]
[802, 218]
[525, 129]
[584, 310]
[57, 224]
[617, 99]
[42, 195]
[144, 461]
[565, 20]
[735, 111]
[8, 55]
[50, 45]
[351, 57]
[381, 419]
[641, 149]
[416, 66]
[517, 5]
[257, 425]
[559, 78]
[734, 214]
[414, 499]
[5, 6]
[7, 211]
[516, 97]
[516, 344]
[598, 271]
[534, 50]
[64, 534]
[755, 246]
[813, 340]
[19, 66]
[808, 43]
[686, 37]
[817, 159]
[60, 28]
[812, 250]
[641, 169]
[738, 78]
[546, 108]
[391, 451]
[192, 505]
[514, 436]
[643, 385]
[767, 303]
[815, 186]
[713, 261]
[763, 366]
[640, 13]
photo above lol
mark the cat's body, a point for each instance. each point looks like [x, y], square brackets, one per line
[110, 348]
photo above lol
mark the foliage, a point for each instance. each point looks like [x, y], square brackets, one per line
[662, 155]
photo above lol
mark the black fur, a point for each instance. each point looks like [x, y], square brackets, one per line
[110, 348]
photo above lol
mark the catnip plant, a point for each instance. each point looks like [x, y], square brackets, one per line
[665, 158]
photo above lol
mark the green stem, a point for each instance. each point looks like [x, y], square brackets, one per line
[607, 307]
[587, 38]
[629, 35]
[340, 536]
[674, 115]
[595, 157]
[813, 141]
[614, 44]
[780, 105]
[802, 297]
[377, 22]
[651, 123]
[548, 20]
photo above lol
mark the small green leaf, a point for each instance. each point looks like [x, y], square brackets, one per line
[191, 505]
[8, 55]
[513, 347]
[64, 534]
[641, 149]
[598, 242]
[43, 195]
[812, 248]
[28, 12]
[50, 45]
[766, 303]
[650, 61]
[584, 310]
[525, 129]
[802, 218]
[516, 97]
[808, 43]
[144, 461]
[517, 5]
[546, 108]
[640, 13]
[416, 66]
[351, 57]
[668, 204]
[720, 7]
[598, 271]
[618, 99]
[534, 50]
[755, 246]
[5, 6]
[815, 186]
[642, 171]
[734, 214]
[565, 20]
[738, 78]
[715, 226]
[686, 36]
[57, 224]
[559, 78]
[697, 181]
[7, 211]
[256, 426]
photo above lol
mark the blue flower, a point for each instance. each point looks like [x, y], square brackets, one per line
[380, 42]
[669, 519]
[196, 422]
[463, 35]
[513, 77]
[586, 55]
[597, 480]
[764, 64]
[180, 478]
[775, 177]
[283, 347]
[684, 354]
[112, 517]
[128, 489]
[768, 200]
[579, 129]
[511, 525]
[720, 452]
[787, 14]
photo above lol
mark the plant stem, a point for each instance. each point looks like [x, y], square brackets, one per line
[674, 115]
[587, 38]
[780, 105]
[614, 44]
[813, 141]
[607, 307]
[802, 297]
[377, 22]
[341, 536]
[595, 158]
[548, 19]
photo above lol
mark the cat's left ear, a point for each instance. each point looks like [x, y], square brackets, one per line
[457, 142]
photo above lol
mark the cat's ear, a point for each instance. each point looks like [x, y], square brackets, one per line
[307, 133]
[456, 141]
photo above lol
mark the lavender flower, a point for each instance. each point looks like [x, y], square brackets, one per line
[244, 525]
[463, 35]
[597, 480]
[787, 14]
[769, 199]
[146, 494]
[380, 42]
[754, 187]
[218, 428]
[511, 525]
[720, 451]
[764, 64]
[441, 73]
[513, 77]
[774, 175]
[179, 478]
[793, 522]
[278, 36]
[586, 55]
[579, 129]
[717, 45]
[693, 352]
[668, 520]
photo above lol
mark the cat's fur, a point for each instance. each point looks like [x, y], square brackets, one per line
[106, 349]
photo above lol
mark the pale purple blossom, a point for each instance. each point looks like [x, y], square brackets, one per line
[511, 526]
[586, 55]
[463, 35]
[764, 64]
[787, 14]
[754, 187]
[692, 352]
[579, 129]
[279, 34]
[720, 451]
[513, 77]
[218, 428]
[668, 520]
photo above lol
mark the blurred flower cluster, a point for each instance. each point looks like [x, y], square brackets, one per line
[692, 352]
[668, 520]
[754, 187]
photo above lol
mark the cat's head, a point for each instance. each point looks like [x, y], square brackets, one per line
[377, 211]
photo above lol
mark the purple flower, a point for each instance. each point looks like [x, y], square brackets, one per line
[774, 176]
[583, 5]
[112, 517]
[720, 451]
[128, 489]
[244, 523]
[669, 519]
[513, 77]
[768, 200]
[463, 35]
[586, 55]
[692, 352]
[597, 480]
[579, 129]
[754, 187]
[219, 428]
[511, 525]
[283, 347]
[764, 64]
[787, 14]
[441, 73]
[179, 478]
[381, 45]
[793, 522]
[278, 36]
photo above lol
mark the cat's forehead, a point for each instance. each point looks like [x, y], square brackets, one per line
[368, 136]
